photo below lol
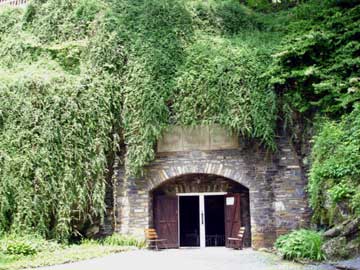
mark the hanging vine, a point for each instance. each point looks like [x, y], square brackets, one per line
[79, 77]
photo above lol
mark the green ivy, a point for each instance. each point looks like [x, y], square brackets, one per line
[315, 74]
[80, 78]
[317, 66]
[336, 164]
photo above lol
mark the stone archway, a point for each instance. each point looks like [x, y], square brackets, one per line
[135, 202]
[158, 176]
[214, 186]
[276, 188]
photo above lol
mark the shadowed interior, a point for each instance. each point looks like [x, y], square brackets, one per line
[214, 221]
[189, 221]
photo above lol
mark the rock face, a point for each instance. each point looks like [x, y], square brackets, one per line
[334, 248]
[343, 241]
[353, 248]
[333, 232]
[351, 228]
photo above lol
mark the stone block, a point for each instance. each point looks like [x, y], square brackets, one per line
[184, 138]
[171, 140]
[196, 138]
[221, 138]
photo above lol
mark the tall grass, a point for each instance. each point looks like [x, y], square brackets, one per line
[301, 244]
[124, 240]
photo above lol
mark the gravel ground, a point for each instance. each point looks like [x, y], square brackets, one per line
[348, 264]
[187, 259]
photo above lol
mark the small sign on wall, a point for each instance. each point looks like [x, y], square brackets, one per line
[230, 200]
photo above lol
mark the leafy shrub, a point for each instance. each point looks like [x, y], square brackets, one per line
[315, 73]
[335, 167]
[217, 81]
[226, 17]
[25, 245]
[123, 240]
[268, 6]
[54, 145]
[263, 5]
[62, 20]
[316, 68]
[341, 191]
[9, 17]
[19, 248]
[301, 244]
[355, 202]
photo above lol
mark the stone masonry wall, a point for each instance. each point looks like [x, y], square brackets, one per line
[278, 201]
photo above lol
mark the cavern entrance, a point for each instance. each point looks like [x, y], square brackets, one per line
[189, 212]
[200, 210]
[215, 220]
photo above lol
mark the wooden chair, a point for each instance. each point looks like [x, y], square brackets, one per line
[237, 242]
[153, 240]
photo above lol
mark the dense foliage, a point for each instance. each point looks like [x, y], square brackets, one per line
[317, 68]
[57, 122]
[316, 74]
[335, 172]
[80, 78]
[180, 70]
[301, 244]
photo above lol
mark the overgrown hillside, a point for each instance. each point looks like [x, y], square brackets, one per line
[81, 79]
[316, 74]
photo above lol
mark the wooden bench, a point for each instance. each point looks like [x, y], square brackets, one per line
[153, 240]
[237, 242]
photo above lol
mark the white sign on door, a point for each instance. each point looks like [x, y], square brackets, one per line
[230, 200]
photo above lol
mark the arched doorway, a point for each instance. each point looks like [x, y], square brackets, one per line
[200, 210]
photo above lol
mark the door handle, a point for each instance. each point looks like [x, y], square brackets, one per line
[202, 218]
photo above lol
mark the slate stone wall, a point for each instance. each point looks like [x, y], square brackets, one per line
[278, 201]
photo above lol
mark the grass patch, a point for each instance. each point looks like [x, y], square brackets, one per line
[66, 254]
[46, 253]
[124, 240]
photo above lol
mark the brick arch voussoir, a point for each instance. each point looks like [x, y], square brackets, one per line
[161, 175]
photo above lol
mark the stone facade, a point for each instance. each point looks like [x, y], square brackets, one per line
[275, 184]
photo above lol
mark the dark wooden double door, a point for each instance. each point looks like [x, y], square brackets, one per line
[166, 218]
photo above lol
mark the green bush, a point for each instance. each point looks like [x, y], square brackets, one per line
[225, 17]
[341, 191]
[301, 244]
[19, 248]
[123, 240]
[335, 171]
[268, 6]
[316, 68]
[25, 245]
